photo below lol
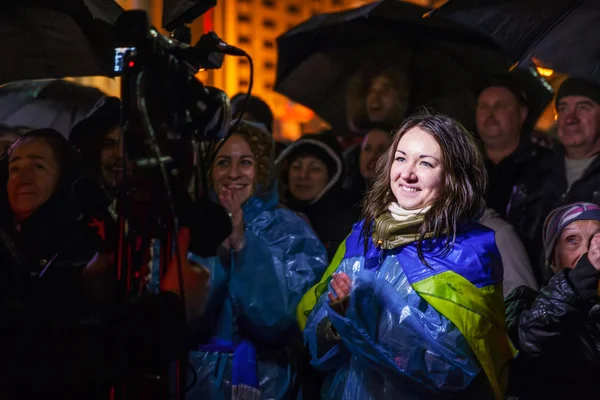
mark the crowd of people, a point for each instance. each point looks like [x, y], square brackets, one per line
[425, 262]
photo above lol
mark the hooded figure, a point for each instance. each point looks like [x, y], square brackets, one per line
[97, 137]
[311, 176]
[45, 239]
[242, 344]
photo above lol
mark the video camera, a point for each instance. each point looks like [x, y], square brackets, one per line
[162, 71]
[171, 121]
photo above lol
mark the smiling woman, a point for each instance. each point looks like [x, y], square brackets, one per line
[257, 279]
[234, 168]
[417, 285]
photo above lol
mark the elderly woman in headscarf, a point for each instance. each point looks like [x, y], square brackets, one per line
[263, 268]
[557, 330]
[45, 240]
[411, 305]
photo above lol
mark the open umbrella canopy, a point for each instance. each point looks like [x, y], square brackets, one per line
[46, 104]
[559, 34]
[444, 61]
[54, 39]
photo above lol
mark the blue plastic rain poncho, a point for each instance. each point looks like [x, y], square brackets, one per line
[412, 331]
[252, 304]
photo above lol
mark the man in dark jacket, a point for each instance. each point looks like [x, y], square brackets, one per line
[502, 116]
[571, 174]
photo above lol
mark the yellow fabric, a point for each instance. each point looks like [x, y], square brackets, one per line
[479, 315]
[309, 300]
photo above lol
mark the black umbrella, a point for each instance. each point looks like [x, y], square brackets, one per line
[53, 39]
[105, 10]
[46, 104]
[560, 34]
[538, 91]
[445, 62]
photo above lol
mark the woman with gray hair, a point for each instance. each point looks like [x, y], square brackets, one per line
[557, 330]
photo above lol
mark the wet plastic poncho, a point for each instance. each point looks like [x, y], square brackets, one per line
[252, 302]
[412, 331]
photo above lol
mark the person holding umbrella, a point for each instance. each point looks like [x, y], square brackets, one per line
[378, 95]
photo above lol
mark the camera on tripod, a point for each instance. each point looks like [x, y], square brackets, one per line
[171, 121]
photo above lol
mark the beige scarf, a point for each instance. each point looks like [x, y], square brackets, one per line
[398, 226]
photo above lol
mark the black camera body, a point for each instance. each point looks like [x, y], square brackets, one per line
[167, 116]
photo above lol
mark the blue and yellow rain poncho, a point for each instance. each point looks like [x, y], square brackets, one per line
[412, 331]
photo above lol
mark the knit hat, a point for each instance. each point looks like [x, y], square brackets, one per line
[558, 220]
[576, 86]
[509, 82]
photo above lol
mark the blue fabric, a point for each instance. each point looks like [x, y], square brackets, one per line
[474, 244]
[254, 298]
[243, 367]
[394, 344]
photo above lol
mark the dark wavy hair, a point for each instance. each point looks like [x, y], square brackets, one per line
[462, 197]
[262, 146]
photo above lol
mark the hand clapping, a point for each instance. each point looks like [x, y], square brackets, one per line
[339, 297]
[230, 199]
